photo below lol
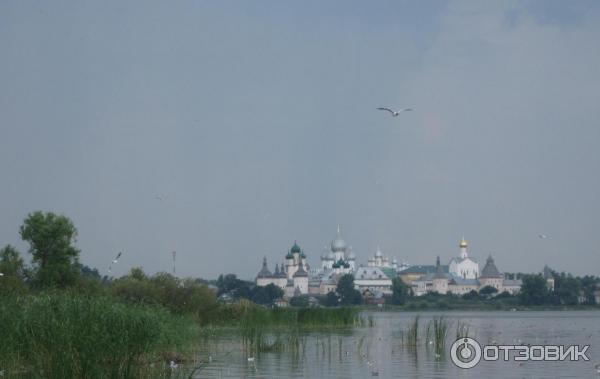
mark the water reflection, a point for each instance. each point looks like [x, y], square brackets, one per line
[383, 351]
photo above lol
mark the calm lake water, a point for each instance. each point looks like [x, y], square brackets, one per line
[379, 351]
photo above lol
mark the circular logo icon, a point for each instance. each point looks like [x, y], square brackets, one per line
[465, 352]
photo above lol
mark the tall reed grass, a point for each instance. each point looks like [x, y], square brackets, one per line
[462, 329]
[412, 333]
[246, 312]
[283, 329]
[61, 335]
[440, 331]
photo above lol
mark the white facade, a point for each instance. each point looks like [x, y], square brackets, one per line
[443, 283]
[373, 279]
[381, 260]
[291, 277]
[464, 266]
[338, 256]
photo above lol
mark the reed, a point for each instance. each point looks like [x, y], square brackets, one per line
[245, 313]
[440, 331]
[462, 330]
[412, 333]
[61, 335]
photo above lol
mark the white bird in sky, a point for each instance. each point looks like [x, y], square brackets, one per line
[394, 113]
[116, 260]
[542, 236]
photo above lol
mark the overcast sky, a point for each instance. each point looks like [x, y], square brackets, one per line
[256, 124]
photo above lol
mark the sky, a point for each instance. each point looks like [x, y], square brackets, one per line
[226, 130]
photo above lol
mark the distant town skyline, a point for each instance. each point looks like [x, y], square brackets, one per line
[225, 131]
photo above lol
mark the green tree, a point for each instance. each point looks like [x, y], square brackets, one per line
[12, 270]
[11, 263]
[299, 301]
[51, 238]
[567, 289]
[471, 295]
[534, 290]
[589, 284]
[399, 291]
[331, 300]
[488, 291]
[265, 295]
[345, 289]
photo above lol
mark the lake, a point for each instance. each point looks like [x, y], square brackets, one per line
[382, 351]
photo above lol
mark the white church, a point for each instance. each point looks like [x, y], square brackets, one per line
[463, 276]
[295, 276]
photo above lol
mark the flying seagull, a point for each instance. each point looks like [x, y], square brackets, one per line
[542, 236]
[116, 260]
[395, 113]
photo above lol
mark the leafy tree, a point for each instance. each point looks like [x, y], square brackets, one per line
[346, 291]
[588, 286]
[88, 272]
[51, 238]
[11, 263]
[331, 299]
[299, 301]
[266, 295]
[534, 290]
[227, 283]
[135, 288]
[399, 291]
[567, 289]
[137, 273]
[487, 291]
[503, 295]
[187, 296]
[12, 270]
[471, 295]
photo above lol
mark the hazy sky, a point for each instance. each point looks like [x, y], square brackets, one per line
[256, 121]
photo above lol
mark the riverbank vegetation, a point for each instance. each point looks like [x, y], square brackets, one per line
[61, 318]
[69, 335]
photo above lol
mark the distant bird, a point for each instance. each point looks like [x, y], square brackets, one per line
[250, 359]
[542, 236]
[173, 365]
[597, 367]
[160, 197]
[1, 274]
[394, 113]
[115, 261]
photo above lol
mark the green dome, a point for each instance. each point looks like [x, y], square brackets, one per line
[295, 248]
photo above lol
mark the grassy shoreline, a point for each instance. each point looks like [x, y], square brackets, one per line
[61, 335]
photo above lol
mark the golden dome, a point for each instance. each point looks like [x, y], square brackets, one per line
[463, 243]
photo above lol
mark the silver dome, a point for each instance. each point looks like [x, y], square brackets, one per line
[338, 244]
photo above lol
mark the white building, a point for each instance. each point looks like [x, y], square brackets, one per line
[372, 279]
[338, 256]
[296, 278]
[448, 282]
[292, 277]
[463, 265]
[381, 260]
